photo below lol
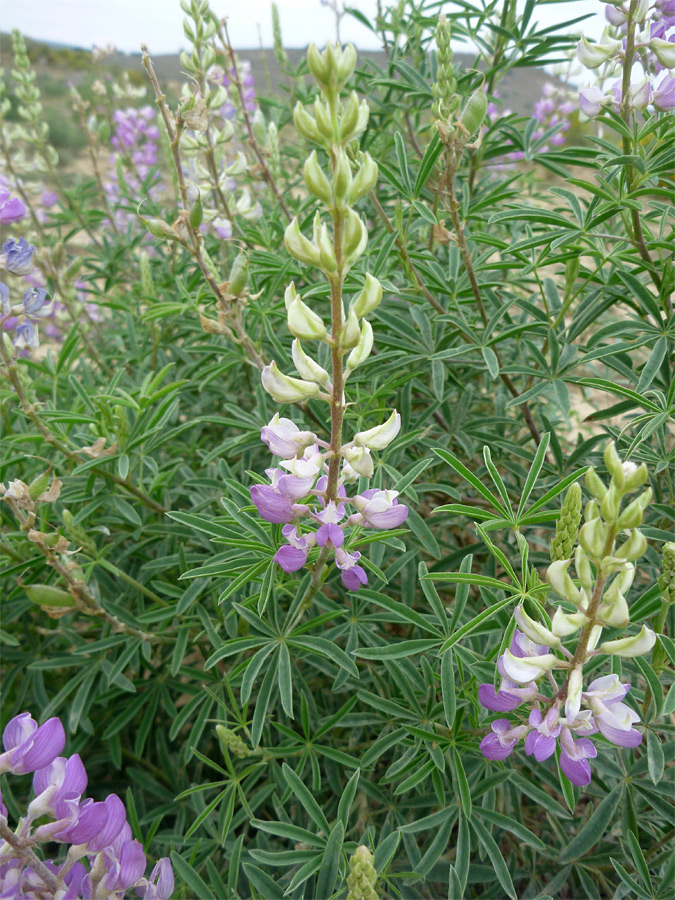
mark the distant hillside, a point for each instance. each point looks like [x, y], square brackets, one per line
[518, 91]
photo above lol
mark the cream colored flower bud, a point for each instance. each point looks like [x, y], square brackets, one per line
[342, 178]
[304, 323]
[299, 247]
[364, 180]
[613, 611]
[593, 537]
[635, 475]
[595, 485]
[633, 548]
[564, 624]
[315, 179]
[369, 298]
[637, 645]
[664, 51]
[359, 459]
[307, 368]
[350, 116]
[583, 566]
[354, 238]
[631, 517]
[317, 63]
[306, 124]
[575, 685]
[346, 63]
[381, 436]
[324, 122]
[536, 632]
[284, 389]
[528, 668]
[594, 55]
[326, 250]
[561, 582]
[351, 331]
[614, 464]
[609, 506]
[361, 352]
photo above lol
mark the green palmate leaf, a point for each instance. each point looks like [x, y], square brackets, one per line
[462, 470]
[195, 883]
[509, 824]
[448, 689]
[399, 650]
[655, 757]
[266, 886]
[475, 622]
[593, 830]
[462, 784]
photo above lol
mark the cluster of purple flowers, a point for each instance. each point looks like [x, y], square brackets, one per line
[11, 208]
[553, 720]
[16, 258]
[655, 46]
[226, 77]
[553, 108]
[135, 137]
[103, 860]
[298, 491]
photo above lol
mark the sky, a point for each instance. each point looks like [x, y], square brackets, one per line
[128, 23]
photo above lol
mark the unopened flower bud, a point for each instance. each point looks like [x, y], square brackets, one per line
[614, 465]
[594, 55]
[306, 124]
[664, 51]
[196, 215]
[315, 179]
[284, 389]
[567, 526]
[307, 367]
[351, 331]
[593, 537]
[564, 624]
[303, 322]
[666, 579]
[637, 645]
[231, 741]
[527, 668]
[362, 878]
[631, 517]
[318, 65]
[595, 485]
[369, 298]
[574, 689]
[361, 352]
[536, 632]
[327, 258]
[633, 548]
[354, 118]
[364, 180]
[324, 123]
[381, 436]
[299, 247]
[354, 238]
[38, 485]
[359, 459]
[342, 178]
[635, 476]
[561, 582]
[609, 506]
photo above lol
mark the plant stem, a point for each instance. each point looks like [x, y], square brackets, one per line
[26, 852]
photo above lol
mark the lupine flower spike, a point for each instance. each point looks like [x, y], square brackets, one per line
[568, 712]
[307, 493]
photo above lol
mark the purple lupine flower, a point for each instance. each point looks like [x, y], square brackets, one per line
[591, 101]
[613, 718]
[541, 741]
[379, 509]
[17, 256]
[526, 661]
[500, 743]
[284, 438]
[574, 756]
[125, 867]
[161, 882]
[11, 208]
[29, 747]
[510, 694]
[663, 97]
[272, 505]
[352, 575]
[5, 305]
[62, 778]
[34, 301]
[614, 16]
[293, 556]
[330, 532]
